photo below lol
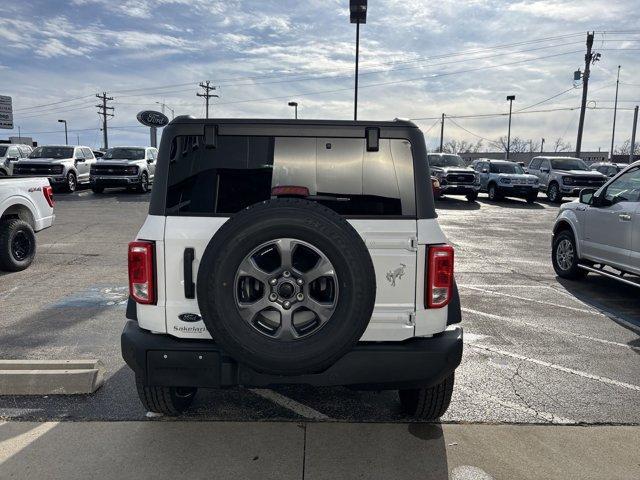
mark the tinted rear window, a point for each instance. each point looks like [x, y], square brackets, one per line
[241, 171]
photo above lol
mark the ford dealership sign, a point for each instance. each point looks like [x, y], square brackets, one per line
[152, 119]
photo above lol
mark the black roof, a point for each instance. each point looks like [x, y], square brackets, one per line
[187, 119]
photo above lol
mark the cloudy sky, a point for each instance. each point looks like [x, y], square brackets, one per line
[418, 60]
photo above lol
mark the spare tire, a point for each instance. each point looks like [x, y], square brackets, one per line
[286, 286]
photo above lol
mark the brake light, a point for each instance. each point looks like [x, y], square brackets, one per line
[439, 276]
[142, 272]
[48, 195]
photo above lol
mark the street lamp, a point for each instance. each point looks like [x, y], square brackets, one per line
[66, 138]
[358, 9]
[510, 98]
[294, 105]
[164, 105]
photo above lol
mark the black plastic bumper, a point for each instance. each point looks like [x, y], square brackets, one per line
[162, 360]
[114, 182]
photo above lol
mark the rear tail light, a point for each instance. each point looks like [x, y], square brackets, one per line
[48, 195]
[439, 276]
[142, 272]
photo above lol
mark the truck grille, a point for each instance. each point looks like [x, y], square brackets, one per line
[105, 170]
[37, 169]
[461, 178]
[587, 182]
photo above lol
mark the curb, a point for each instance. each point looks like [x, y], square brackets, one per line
[50, 377]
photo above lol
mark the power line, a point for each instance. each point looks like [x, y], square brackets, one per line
[207, 88]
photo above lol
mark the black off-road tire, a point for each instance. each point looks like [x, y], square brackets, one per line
[573, 272]
[472, 197]
[308, 222]
[553, 193]
[170, 401]
[428, 403]
[532, 197]
[97, 189]
[10, 229]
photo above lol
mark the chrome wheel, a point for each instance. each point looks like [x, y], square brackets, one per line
[565, 254]
[71, 182]
[286, 289]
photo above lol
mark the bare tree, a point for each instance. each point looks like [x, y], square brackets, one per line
[518, 145]
[461, 146]
[559, 145]
[625, 148]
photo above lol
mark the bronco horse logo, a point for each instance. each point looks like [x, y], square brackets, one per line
[393, 275]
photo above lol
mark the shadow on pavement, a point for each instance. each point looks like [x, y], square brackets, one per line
[449, 203]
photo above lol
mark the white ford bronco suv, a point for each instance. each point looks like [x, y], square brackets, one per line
[292, 252]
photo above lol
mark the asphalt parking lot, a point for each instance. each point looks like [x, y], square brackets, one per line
[538, 350]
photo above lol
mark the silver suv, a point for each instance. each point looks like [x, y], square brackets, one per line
[564, 176]
[10, 154]
[502, 178]
[454, 176]
[600, 233]
[65, 166]
[130, 167]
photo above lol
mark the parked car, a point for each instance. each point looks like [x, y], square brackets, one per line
[292, 252]
[130, 167]
[564, 176]
[502, 178]
[601, 232]
[10, 154]
[26, 207]
[65, 166]
[609, 169]
[454, 176]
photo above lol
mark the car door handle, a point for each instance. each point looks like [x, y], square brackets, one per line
[189, 286]
[625, 217]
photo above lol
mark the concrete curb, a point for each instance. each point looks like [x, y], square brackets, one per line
[50, 377]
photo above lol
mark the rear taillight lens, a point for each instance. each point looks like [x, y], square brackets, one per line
[439, 276]
[48, 195]
[141, 272]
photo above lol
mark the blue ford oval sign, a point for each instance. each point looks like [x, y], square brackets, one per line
[152, 119]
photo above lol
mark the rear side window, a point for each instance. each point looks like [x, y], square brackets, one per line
[338, 172]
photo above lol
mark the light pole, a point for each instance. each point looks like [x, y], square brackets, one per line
[615, 110]
[66, 138]
[358, 9]
[542, 146]
[510, 98]
[164, 105]
[294, 105]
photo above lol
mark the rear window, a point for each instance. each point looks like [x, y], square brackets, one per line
[242, 170]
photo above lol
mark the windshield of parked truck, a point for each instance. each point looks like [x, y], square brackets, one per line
[506, 168]
[445, 161]
[568, 164]
[3, 150]
[52, 152]
[120, 153]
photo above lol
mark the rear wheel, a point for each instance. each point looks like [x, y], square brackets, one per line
[564, 256]
[17, 245]
[166, 400]
[428, 403]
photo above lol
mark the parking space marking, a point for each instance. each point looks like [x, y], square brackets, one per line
[14, 445]
[572, 371]
[549, 417]
[290, 404]
[552, 329]
[549, 304]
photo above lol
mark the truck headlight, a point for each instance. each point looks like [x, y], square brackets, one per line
[132, 170]
[567, 180]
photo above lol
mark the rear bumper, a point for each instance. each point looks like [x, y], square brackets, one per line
[162, 360]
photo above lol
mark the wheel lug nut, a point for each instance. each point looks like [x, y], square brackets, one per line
[286, 273]
[300, 281]
[286, 304]
[273, 297]
[300, 297]
[273, 281]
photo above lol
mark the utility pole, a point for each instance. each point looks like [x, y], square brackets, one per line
[104, 110]
[510, 98]
[615, 111]
[633, 134]
[441, 133]
[542, 145]
[207, 95]
[589, 58]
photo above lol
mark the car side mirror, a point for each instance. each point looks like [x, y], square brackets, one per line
[586, 196]
[484, 170]
[81, 160]
[544, 170]
[149, 160]
[12, 159]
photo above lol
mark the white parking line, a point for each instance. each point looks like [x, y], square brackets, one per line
[549, 304]
[290, 404]
[551, 329]
[13, 445]
[560, 368]
[549, 417]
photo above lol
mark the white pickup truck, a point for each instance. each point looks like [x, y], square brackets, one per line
[26, 207]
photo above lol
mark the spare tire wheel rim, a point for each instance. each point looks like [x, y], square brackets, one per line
[286, 289]
[21, 246]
